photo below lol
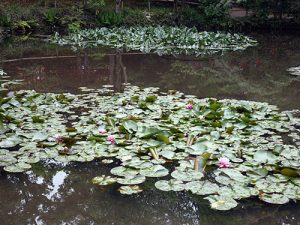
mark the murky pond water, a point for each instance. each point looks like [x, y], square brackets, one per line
[63, 194]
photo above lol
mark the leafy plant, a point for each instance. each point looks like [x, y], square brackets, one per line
[74, 26]
[109, 18]
[6, 21]
[24, 25]
[215, 13]
[162, 40]
[96, 4]
[51, 17]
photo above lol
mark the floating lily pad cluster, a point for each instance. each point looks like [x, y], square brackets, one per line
[171, 138]
[161, 40]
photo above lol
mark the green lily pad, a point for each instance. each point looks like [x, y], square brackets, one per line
[132, 179]
[17, 168]
[170, 185]
[104, 180]
[188, 175]
[39, 136]
[154, 171]
[123, 171]
[265, 157]
[221, 203]
[202, 187]
[274, 198]
[129, 190]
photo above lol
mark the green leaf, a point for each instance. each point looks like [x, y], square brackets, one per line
[104, 180]
[154, 171]
[188, 175]
[129, 190]
[130, 126]
[39, 136]
[171, 185]
[221, 202]
[274, 198]
[131, 179]
[265, 157]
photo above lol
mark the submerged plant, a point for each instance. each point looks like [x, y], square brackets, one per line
[161, 40]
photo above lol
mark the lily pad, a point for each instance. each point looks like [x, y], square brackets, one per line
[170, 185]
[221, 203]
[154, 171]
[188, 175]
[131, 179]
[274, 198]
[104, 180]
[129, 190]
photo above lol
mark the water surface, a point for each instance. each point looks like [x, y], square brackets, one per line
[63, 194]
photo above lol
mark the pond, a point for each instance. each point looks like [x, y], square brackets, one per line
[53, 193]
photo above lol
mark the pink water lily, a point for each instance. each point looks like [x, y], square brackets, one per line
[102, 131]
[111, 139]
[59, 138]
[11, 94]
[224, 162]
[189, 106]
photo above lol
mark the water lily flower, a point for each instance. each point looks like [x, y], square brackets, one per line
[59, 138]
[11, 94]
[189, 106]
[224, 162]
[126, 158]
[102, 131]
[111, 139]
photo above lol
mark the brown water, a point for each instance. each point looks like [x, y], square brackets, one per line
[63, 194]
[259, 73]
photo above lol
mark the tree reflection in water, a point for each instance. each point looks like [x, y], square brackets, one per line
[256, 74]
[76, 201]
[117, 71]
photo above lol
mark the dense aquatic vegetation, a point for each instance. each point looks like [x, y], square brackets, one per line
[161, 40]
[225, 150]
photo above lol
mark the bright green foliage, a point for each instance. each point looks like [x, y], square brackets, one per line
[162, 40]
[51, 17]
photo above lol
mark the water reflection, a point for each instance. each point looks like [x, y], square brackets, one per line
[77, 201]
[117, 71]
[63, 194]
[259, 73]
[57, 182]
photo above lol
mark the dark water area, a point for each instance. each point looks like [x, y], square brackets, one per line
[57, 194]
[63, 194]
[258, 74]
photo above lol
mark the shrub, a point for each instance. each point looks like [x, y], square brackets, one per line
[109, 18]
[51, 17]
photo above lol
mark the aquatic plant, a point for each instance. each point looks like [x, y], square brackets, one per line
[161, 40]
[153, 135]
